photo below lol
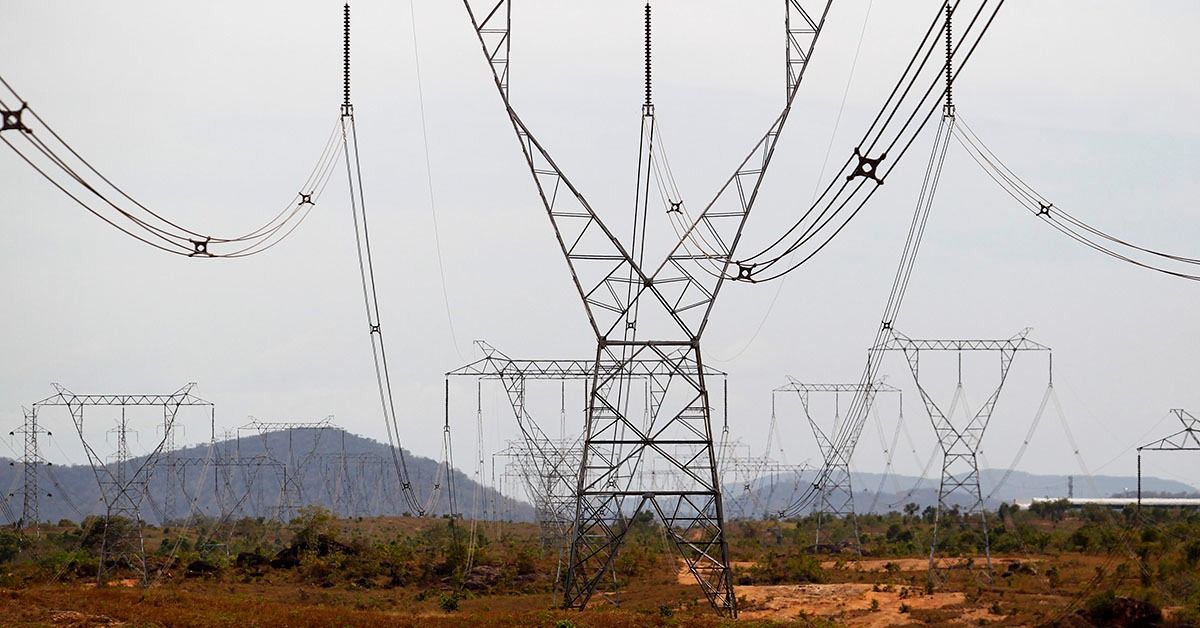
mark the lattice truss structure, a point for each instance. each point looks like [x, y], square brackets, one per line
[295, 464]
[1187, 439]
[31, 463]
[961, 438]
[123, 481]
[550, 488]
[234, 481]
[353, 481]
[836, 493]
[549, 466]
[648, 293]
[759, 482]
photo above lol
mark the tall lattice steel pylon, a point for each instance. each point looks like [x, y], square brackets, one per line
[31, 461]
[122, 486]
[960, 444]
[836, 498]
[649, 299]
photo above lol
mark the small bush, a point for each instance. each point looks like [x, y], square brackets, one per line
[448, 602]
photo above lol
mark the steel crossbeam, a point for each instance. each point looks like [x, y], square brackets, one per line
[1187, 439]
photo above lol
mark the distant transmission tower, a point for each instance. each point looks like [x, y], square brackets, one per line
[31, 461]
[648, 308]
[547, 465]
[295, 467]
[123, 486]
[1187, 439]
[961, 443]
[837, 492]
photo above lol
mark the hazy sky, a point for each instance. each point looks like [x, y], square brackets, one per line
[213, 114]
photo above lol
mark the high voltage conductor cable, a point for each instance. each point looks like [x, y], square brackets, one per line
[1069, 225]
[888, 103]
[866, 169]
[37, 144]
[910, 108]
[846, 438]
[366, 268]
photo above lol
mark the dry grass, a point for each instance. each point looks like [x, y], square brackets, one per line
[855, 591]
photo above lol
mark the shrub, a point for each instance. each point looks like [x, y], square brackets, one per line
[777, 568]
[10, 545]
[448, 602]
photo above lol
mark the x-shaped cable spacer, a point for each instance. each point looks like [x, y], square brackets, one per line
[745, 273]
[200, 248]
[12, 119]
[676, 207]
[375, 329]
[1044, 209]
[867, 167]
[306, 198]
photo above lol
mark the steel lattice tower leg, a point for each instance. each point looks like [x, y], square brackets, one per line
[611, 490]
[123, 541]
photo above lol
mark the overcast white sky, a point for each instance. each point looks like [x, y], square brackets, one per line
[213, 113]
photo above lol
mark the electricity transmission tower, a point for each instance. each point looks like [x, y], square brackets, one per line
[31, 461]
[648, 299]
[836, 499]
[761, 480]
[546, 464]
[294, 467]
[961, 443]
[123, 484]
[1187, 439]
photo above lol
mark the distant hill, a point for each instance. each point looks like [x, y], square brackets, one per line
[874, 492]
[271, 476]
[274, 474]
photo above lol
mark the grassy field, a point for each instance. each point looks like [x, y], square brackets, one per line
[1055, 566]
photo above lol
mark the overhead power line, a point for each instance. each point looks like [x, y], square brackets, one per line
[37, 144]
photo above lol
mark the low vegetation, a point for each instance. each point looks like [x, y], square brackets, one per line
[1051, 565]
